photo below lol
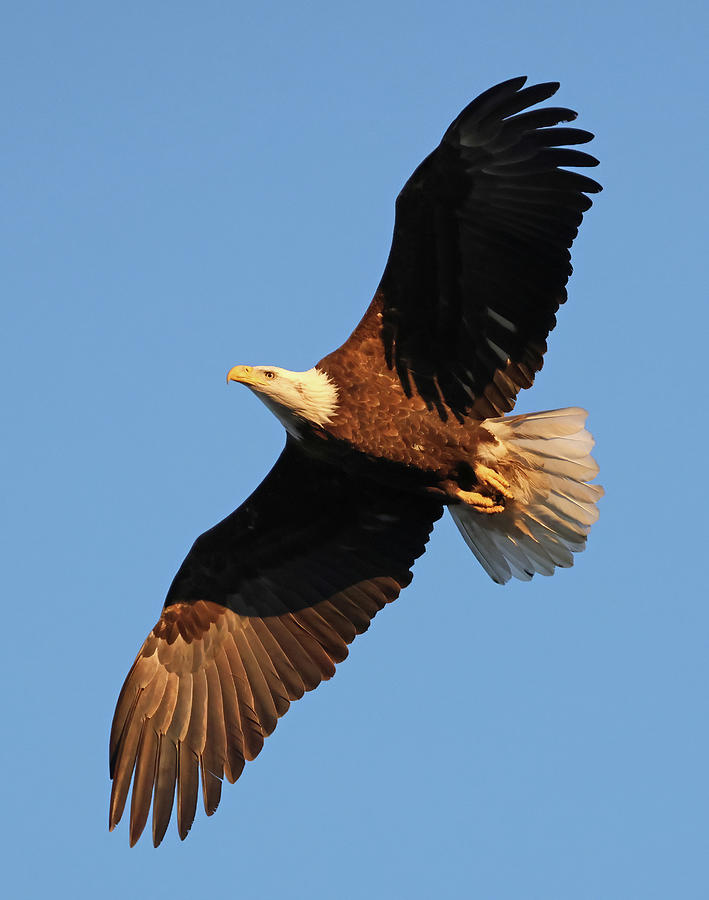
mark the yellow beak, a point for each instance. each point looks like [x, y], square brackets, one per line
[242, 374]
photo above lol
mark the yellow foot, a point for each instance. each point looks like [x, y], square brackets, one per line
[479, 502]
[494, 480]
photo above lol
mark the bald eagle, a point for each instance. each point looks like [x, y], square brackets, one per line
[405, 419]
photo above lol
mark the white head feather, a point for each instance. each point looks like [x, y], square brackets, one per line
[291, 396]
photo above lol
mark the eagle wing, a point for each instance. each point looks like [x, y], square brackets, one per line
[480, 254]
[260, 611]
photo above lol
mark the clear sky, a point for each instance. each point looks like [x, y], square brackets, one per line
[192, 185]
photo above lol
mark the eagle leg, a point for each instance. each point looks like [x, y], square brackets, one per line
[490, 478]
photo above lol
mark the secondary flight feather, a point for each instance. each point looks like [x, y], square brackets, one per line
[404, 420]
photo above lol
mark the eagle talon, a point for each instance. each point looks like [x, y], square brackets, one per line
[479, 502]
[491, 478]
[489, 509]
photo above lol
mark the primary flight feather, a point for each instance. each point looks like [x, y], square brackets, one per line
[405, 419]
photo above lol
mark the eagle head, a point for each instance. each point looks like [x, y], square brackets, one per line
[291, 396]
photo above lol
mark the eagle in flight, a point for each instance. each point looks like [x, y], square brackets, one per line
[405, 419]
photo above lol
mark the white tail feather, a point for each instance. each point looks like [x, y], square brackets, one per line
[546, 457]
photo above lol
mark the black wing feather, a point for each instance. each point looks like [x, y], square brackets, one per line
[480, 254]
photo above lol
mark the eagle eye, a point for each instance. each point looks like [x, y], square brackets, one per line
[269, 374]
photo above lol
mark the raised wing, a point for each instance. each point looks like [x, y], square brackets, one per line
[262, 608]
[480, 254]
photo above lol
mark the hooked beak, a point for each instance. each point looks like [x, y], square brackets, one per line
[242, 374]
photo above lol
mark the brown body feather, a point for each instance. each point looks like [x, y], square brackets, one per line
[385, 434]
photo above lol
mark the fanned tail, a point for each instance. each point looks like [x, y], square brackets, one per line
[546, 457]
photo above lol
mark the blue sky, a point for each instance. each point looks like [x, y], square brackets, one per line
[189, 186]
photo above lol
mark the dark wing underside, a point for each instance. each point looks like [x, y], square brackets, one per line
[480, 253]
[260, 611]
